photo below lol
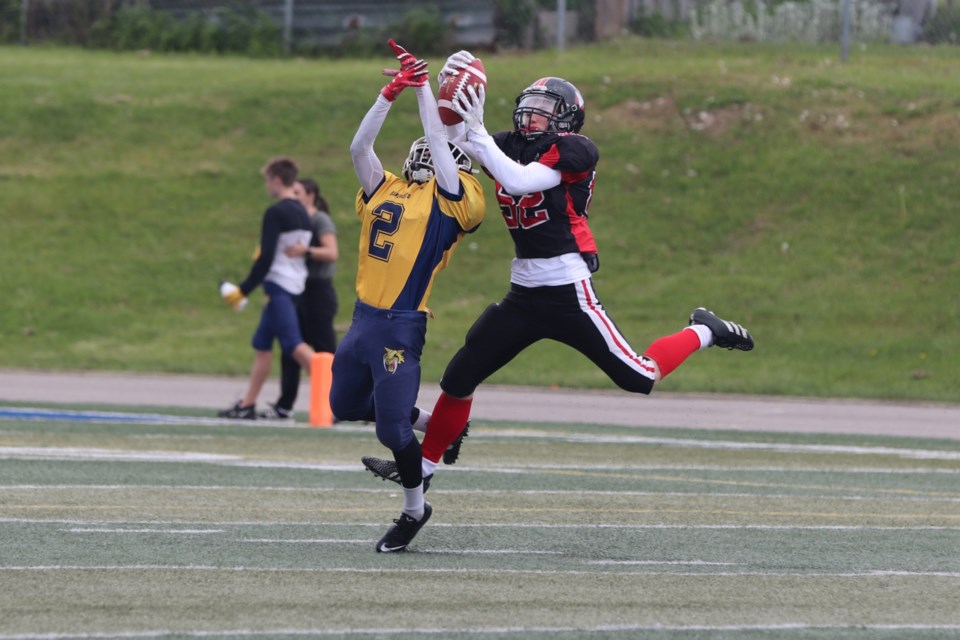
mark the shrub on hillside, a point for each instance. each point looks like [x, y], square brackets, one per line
[944, 27]
[232, 30]
[9, 21]
[422, 30]
[813, 21]
[655, 25]
[60, 21]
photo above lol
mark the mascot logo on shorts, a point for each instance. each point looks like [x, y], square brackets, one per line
[392, 359]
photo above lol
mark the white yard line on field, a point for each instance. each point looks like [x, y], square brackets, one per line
[170, 531]
[113, 455]
[492, 525]
[895, 494]
[874, 573]
[519, 631]
[303, 541]
[71, 453]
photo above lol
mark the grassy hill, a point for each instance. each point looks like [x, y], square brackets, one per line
[813, 201]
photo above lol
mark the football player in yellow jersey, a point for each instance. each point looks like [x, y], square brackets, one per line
[410, 226]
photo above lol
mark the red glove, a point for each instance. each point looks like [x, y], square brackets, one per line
[405, 57]
[412, 73]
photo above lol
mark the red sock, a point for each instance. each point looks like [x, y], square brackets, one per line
[669, 352]
[448, 419]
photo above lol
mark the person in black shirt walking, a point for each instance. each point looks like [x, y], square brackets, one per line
[285, 224]
[318, 303]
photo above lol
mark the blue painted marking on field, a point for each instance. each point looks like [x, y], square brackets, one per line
[30, 413]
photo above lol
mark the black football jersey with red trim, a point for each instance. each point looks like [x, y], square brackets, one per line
[552, 222]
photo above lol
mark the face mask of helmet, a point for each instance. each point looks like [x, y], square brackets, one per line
[418, 167]
[549, 104]
[535, 113]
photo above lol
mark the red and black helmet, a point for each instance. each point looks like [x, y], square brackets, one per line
[553, 98]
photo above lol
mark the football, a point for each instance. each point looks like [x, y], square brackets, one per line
[473, 75]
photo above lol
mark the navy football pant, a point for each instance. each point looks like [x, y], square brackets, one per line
[376, 371]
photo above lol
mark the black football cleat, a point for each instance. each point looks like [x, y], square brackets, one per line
[238, 412]
[273, 412]
[453, 451]
[726, 334]
[387, 470]
[383, 469]
[403, 531]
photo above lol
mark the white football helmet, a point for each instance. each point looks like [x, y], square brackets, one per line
[418, 167]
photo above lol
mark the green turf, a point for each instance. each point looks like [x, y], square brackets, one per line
[810, 200]
[539, 531]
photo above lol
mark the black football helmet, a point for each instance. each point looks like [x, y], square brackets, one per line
[553, 98]
[418, 167]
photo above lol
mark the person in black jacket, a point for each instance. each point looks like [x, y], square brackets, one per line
[318, 303]
[285, 224]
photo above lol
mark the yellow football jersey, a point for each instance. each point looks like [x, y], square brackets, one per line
[408, 233]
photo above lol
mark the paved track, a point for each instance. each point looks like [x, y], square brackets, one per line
[493, 402]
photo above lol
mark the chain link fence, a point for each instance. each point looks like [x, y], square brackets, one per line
[339, 27]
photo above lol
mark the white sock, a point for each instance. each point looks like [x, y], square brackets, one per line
[413, 502]
[421, 422]
[706, 336]
[427, 467]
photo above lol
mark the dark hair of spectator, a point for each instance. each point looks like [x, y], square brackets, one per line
[284, 168]
[313, 189]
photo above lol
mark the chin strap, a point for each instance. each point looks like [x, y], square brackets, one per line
[421, 175]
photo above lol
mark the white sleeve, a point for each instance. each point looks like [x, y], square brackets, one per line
[444, 166]
[366, 164]
[456, 131]
[515, 178]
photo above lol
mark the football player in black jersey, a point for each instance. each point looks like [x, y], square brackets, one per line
[545, 172]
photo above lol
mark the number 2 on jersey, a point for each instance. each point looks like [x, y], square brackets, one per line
[388, 221]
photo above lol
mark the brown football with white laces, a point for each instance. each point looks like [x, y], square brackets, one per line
[451, 87]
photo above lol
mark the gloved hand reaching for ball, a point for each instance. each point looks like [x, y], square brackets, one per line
[412, 73]
[456, 62]
[469, 105]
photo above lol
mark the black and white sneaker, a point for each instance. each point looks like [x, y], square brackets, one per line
[453, 451]
[387, 470]
[383, 469]
[239, 412]
[726, 334]
[275, 413]
[403, 531]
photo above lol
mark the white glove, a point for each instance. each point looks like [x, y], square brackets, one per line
[231, 293]
[457, 61]
[469, 105]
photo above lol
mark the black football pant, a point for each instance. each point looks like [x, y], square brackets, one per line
[570, 314]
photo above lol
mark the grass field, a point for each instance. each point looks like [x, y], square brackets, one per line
[182, 527]
[812, 201]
